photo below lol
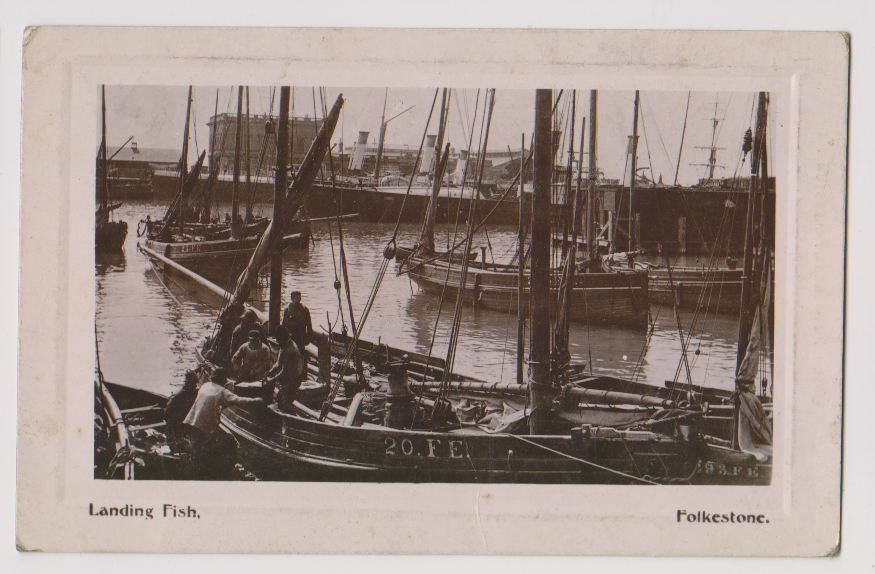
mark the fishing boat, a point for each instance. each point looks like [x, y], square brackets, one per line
[188, 231]
[368, 411]
[128, 440]
[617, 297]
[109, 235]
[408, 417]
[706, 286]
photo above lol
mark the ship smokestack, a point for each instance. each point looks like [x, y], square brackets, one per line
[427, 155]
[459, 174]
[358, 152]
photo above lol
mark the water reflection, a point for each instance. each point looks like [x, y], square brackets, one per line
[149, 323]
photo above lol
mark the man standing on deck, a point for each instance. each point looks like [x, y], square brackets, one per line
[297, 323]
[252, 360]
[288, 372]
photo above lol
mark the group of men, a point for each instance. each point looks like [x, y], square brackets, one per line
[194, 413]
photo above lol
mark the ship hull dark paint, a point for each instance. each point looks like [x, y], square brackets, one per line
[280, 446]
[674, 219]
[710, 291]
[110, 236]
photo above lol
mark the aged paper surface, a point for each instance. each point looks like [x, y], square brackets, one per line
[806, 77]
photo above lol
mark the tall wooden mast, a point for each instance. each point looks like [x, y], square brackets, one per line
[248, 151]
[103, 175]
[591, 219]
[569, 248]
[521, 271]
[183, 167]
[381, 140]
[427, 239]
[235, 191]
[756, 163]
[634, 163]
[292, 201]
[279, 193]
[540, 384]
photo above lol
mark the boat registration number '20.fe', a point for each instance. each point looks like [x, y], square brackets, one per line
[424, 447]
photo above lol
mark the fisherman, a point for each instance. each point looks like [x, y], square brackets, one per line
[179, 404]
[296, 321]
[248, 322]
[252, 359]
[202, 422]
[288, 372]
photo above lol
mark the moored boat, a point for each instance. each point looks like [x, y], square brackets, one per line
[109, 235]
[370, 412]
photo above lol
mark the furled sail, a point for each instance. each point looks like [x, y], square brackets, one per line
[753, 433]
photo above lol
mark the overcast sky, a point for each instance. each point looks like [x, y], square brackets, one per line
[154, 115]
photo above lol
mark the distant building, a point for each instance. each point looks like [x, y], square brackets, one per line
[223, 131]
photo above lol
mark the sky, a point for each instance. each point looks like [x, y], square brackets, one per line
[155, 115]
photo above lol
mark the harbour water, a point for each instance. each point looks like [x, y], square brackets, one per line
[149, 323]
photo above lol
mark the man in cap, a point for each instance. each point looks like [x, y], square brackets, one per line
[296, 321]
[248, 322]
[252, 359]
[202, 421]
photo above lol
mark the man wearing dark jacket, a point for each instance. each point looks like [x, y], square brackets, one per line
[288, 372]
[296, 321]
[179, 404]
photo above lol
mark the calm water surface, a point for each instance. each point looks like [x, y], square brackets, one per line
[150, 323]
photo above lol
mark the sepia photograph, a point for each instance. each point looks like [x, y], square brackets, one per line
[434, 285]
[432, 291]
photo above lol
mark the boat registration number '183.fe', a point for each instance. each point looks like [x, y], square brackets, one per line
[424, 447]
[712, 468]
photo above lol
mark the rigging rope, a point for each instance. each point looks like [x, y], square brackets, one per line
[388, 254]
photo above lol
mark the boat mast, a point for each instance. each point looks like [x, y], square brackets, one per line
[634, 165]
[591, 220]
[183, 166]
[279, 193]
[569, 248]
[235, 192]
[103, 175]
[292, 201]
[427, 239]
[521, 271]
[382, 139]
[206, 207]
[540, 384]
[247, 150]
[677, 168]
[745, 318]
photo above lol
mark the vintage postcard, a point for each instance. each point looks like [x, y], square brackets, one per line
[432, 291]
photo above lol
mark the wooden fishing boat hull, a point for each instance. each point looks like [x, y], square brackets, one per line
[122, 416]
[281, 446]
[615, 298]
[131, 422]
[110, 236]
[716, 291]
[209, 231]
[219, 249]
